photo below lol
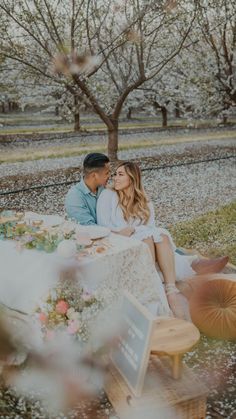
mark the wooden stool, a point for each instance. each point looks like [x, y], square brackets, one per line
[173, 337]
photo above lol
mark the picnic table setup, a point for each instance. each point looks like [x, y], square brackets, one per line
[35, 248]
[47, 261]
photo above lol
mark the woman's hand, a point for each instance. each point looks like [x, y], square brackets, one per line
[127, 231]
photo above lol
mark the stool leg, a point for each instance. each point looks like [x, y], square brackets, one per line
[176, 366]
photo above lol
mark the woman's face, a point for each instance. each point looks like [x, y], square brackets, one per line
[121, 179]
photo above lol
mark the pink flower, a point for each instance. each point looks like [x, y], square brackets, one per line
[62, 307]
[73, 327]
[43, 318]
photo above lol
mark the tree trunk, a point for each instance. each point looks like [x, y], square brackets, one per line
[225, 119]
[113, 141]
[77, 121]
[129, 113]
[163, 110]
[164, 116]
[177, 110]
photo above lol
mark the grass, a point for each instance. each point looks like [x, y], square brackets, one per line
[65, 150]
[213, 234]
[97, 126]
[85, 127]
[73, 151]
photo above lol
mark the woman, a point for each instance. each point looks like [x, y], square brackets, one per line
[126, 210]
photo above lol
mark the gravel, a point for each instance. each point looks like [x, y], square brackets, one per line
[29, 167]
[179, 193]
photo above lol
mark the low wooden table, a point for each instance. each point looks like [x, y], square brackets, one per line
[173, 337]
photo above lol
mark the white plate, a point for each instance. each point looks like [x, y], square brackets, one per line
[94, 232]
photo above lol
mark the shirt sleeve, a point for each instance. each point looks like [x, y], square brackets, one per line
[104, 210]
[77, 209]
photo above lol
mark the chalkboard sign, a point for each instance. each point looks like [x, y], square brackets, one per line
[131, 353]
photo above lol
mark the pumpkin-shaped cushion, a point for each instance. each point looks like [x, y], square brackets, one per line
[213, 307]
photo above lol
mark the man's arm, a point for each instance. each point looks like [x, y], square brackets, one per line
[77, 208]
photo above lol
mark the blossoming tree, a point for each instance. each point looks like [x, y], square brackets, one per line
[103, 50]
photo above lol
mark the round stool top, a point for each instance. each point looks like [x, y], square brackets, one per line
[172, 336]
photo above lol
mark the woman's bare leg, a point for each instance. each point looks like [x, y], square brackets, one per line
[166, 260]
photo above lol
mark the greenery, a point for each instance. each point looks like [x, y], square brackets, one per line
[213, 234]
[10, 128]
[73, 150]
[32, 236]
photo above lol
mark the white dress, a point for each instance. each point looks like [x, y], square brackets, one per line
[109, 214]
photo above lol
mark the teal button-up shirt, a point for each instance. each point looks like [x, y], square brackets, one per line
[81, 203]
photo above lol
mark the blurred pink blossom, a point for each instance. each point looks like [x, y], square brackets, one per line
[43, 318]
[62, 307]
[73, 327]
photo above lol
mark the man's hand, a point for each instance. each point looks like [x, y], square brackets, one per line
[127, 231]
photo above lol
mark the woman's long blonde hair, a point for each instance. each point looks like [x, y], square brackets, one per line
[134, 205]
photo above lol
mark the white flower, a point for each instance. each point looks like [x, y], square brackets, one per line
[70, 312]
[75, 315]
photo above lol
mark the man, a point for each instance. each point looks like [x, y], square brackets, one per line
[81, 199]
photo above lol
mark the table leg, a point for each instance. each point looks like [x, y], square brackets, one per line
[176, 366]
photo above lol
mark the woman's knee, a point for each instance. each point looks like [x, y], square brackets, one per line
[149, 239]
[165, 239]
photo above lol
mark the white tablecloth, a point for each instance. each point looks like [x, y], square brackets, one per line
[27, 276]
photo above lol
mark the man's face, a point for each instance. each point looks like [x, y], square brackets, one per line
[102, 176]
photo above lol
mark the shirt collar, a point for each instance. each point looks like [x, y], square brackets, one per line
[86, 190]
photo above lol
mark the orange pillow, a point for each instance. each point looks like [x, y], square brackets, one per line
[213, 308]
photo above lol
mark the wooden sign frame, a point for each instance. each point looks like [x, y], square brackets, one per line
[123, 356]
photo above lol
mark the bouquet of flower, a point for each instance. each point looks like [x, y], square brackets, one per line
[68, 308]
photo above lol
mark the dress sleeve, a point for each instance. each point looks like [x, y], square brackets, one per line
[151, 222]
[104, 210]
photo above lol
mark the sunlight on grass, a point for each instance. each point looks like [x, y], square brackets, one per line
[60, 152]
[89, 125]
[85, 127]
[22, 154]
[213, 234]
